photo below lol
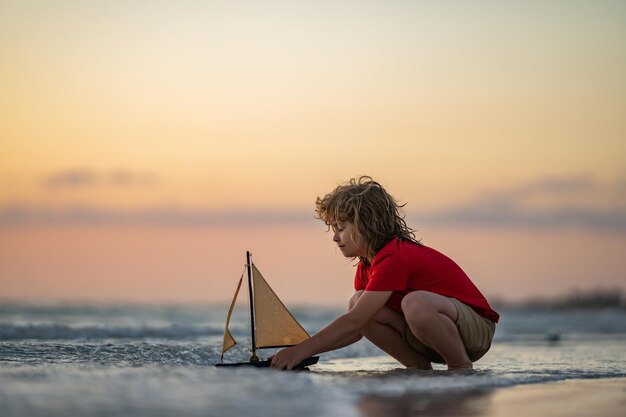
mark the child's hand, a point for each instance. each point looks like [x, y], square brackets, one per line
[286, 358]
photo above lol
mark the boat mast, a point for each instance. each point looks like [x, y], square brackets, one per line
[254, 357]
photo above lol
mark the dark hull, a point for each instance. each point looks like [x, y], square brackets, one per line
[266, 364]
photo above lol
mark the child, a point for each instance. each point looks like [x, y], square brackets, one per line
[411, 301]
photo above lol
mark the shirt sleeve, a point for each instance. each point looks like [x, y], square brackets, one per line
[359, 278]
[388, 273]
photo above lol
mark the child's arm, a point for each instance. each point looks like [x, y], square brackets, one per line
[343, 328]
[345, 342]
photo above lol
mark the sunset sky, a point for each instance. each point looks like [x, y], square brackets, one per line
[145, 146]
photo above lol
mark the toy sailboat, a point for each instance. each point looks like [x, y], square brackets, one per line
[271, 324]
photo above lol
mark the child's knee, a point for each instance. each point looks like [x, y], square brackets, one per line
[418, 307]
[415, 302]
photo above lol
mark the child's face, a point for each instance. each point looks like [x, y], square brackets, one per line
[348, 246]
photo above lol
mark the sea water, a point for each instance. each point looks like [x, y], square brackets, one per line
[132, 360]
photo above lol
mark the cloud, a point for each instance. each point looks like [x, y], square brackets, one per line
[485, 215]
[71, 178]
[576, 201]
[17, 214]
[515, 207]
[506, 215]
[80, 178]
[554, 186]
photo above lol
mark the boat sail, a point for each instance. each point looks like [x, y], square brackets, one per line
[271, 323]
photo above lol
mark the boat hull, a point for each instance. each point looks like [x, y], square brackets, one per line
[266, 364]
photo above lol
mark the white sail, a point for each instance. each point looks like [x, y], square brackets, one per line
[229, 340]
[275, 326]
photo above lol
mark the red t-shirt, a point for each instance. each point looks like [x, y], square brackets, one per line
[402, 266]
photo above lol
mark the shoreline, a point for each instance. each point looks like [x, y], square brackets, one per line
[572, 398]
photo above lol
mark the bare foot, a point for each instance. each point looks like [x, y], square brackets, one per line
[465, 369]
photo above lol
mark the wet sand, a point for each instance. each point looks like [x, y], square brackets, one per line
[571, 398]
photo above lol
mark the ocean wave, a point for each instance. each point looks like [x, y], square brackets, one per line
[127, 354]
[138, 353]
[65, 332]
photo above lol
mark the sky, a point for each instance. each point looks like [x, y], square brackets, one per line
[145, 146]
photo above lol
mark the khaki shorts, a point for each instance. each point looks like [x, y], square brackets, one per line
[476, 332]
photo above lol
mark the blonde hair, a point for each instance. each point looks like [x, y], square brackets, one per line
[373, 212]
